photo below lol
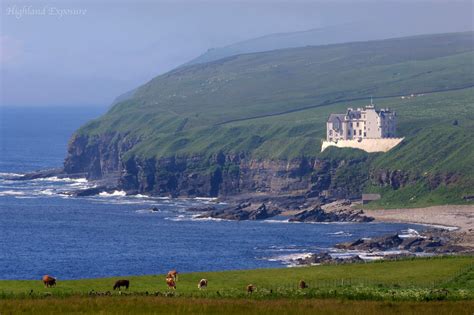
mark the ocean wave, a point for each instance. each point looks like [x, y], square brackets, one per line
[365, 255]
[182, 217]
[47, 192]
[179, 218]
[59, 179]
[147, 211]
[117, 193]
[340, 233]
[10, 175]
[276, 221]
[140, 196]
[409, 233]
[205, 198]
[288, 259]
[437, 226]
[12, 193]
[118, 200]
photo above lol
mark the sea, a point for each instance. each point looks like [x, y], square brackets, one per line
[44, 231]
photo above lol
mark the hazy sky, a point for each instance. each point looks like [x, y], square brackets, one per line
[98, 50]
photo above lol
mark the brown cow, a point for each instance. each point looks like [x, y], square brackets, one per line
[121, 283]
[49, 281]
[202, 284]
[172, 274]
[171, 283]
[250, 288]
[303, 285]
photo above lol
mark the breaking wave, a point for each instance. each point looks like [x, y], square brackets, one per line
[340, 233]
[12, 193]
[117, 193]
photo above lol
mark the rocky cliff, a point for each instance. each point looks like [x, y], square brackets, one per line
[217, 175]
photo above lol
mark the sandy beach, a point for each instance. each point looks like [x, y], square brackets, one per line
[449, 216]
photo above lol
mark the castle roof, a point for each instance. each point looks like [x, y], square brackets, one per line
[332, 118]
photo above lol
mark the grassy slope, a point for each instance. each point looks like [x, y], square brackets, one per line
[181, 112]
[265, 83]
[176, 113]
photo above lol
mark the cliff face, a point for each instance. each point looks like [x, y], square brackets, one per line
[218, 175]
[105, 157]
[97, 156]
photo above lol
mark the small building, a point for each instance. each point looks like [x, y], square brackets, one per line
[366, 198]
[362, 123]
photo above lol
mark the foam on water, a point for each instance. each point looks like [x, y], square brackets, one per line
[289, 259]
[9, 175]
[47, 192]
[12, 193]
[116, 193]
[340, 233]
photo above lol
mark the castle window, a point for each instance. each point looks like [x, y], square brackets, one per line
[360, 132]
[365, 134]
[357, 124]
[355, 132]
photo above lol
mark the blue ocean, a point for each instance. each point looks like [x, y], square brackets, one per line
[45, 232]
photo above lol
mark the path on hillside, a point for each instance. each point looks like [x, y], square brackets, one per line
[326, 103]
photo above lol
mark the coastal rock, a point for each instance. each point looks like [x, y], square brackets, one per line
[319, 215]
[53, 172]
[435, 241]
[242, 212]
[326, 258]
[380, 243]
[201, 209]
[90, 191]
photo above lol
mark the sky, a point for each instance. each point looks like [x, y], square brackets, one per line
[72, 53]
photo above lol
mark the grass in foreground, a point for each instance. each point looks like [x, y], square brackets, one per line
[413, 286]
[159, 305]
[413, 279]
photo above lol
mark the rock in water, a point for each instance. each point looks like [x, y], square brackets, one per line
[319, 215]
[242, 212]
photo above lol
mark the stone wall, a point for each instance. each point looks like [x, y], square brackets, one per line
[368, 145]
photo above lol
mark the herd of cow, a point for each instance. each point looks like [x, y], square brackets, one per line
[171, 279]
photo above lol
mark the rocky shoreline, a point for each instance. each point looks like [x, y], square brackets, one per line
[311, 210]
[389, 247]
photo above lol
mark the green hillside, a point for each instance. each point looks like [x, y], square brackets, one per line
[274, 105]
[272, 82]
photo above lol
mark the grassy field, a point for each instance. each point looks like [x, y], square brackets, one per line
[426, 273]
[159, 305]
[416, 286]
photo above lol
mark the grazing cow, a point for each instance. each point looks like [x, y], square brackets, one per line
[303, 285]
[49, 281]
[202, 284]
[250, 288]
[172, 274]
[121, 283]
[171, 283]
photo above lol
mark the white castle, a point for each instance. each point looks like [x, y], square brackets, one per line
[365, 128]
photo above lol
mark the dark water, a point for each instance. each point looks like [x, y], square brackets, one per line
[42, 231]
